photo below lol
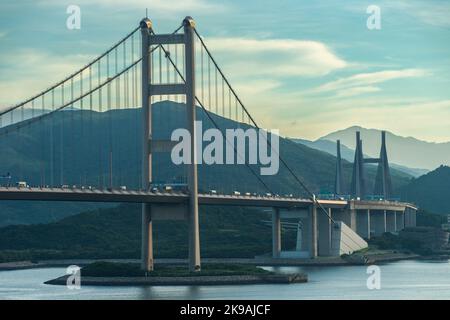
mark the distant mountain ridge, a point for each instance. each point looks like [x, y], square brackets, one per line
[405, 151]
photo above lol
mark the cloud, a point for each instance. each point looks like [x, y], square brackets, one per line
[356, 91]
[429, 12]
[275, 57]
[30, 71]
[3, 34]
[363, 82]
[434, 14]
[154, 6]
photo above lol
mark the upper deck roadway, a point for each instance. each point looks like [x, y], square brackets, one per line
[131, 196]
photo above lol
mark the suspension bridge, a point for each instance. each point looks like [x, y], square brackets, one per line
[102, 134]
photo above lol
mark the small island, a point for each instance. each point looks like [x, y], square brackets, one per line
[129, 274]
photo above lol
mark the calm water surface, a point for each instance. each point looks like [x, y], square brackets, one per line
[399, 280]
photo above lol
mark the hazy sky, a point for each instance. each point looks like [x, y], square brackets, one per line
[305, 67]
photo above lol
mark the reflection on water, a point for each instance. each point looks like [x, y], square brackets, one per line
[400, 280]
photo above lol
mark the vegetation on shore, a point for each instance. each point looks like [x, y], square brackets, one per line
[389, 241]
[115, 233]
[112, 269]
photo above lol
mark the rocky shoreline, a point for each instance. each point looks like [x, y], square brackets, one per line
[259, 261]
[183, 281]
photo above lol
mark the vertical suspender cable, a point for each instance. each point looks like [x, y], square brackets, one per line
[90, 136]
[43, 153]
[108, 101]
[52, 143]
[81, 164]
[209, 84]
[100, 149]
[61, 139]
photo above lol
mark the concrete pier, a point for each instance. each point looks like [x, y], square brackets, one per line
[363, 223]
[352, 219]
[378, 221]
[314, 241]
[307, 234]
[325, 228]
[276, 234]
[399, 215]
[391, 221]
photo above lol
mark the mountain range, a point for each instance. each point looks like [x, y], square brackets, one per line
[405, 151]
[349, 154]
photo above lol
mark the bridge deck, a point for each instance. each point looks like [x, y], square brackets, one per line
[132, 196]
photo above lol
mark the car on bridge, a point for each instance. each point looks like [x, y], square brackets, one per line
[22, 184]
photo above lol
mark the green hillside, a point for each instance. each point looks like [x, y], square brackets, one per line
[431, 191]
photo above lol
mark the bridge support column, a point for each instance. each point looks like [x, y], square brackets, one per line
[363, 223]
[147, 226]
[147, 238]
[352, 219]
[339, 215]
[413, 218]
[306, 234]
[399, 215]
[325, 229]
[378, 221]
[276, 233]
[313, 246]
[194, 231]
[407, 218]
[391, 221]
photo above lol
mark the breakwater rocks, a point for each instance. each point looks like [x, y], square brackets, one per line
[186, 281]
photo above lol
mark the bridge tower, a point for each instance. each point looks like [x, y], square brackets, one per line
[339, 181]
[358, 189]
[149, 89]
[383, 183]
